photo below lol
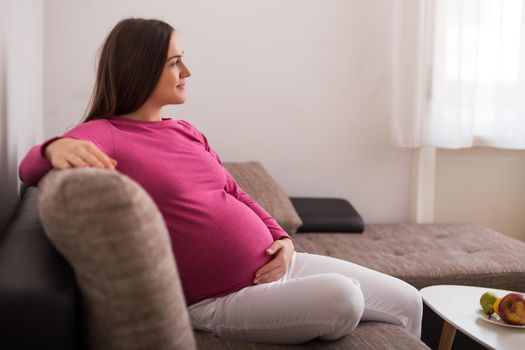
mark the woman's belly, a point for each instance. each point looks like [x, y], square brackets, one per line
[218, 242]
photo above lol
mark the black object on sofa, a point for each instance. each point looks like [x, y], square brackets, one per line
[327, 215]
[39, 301]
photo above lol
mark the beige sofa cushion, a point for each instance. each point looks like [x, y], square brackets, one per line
[253, 178]
[113, 235]
[428, 254]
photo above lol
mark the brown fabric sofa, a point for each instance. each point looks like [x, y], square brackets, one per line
[420, 254]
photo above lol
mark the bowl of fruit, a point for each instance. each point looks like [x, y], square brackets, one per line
[508, 310]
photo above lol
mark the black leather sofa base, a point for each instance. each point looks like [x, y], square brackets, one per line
[39, 304]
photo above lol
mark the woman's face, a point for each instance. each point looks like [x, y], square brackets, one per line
[170, 89]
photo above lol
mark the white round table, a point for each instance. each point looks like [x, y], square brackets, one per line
[458, 306]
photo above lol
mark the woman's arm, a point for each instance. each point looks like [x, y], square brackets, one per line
[236, 191]
[34, 165]
[87, 144]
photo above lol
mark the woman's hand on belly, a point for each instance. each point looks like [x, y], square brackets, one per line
[283, 250]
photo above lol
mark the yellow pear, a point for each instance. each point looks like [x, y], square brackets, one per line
[487, 301]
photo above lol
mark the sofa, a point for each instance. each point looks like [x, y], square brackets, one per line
[73, 286]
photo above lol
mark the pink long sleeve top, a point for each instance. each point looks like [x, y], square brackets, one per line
[218, 233]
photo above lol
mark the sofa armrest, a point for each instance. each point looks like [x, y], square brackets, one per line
[38, 294]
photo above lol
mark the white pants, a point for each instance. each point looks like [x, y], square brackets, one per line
[319, 296]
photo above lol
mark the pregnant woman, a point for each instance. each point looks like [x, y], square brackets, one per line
[240, 273]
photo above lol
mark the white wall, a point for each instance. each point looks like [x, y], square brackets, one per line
[301, 85]
[21, 83]
[482, 185]
[7, 192]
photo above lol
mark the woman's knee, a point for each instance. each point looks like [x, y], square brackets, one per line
[342, 305]
[343, 297]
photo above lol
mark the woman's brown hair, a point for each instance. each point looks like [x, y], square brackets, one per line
[130, 65]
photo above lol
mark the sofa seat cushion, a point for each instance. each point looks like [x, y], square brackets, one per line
[428, 254]
[368, 335]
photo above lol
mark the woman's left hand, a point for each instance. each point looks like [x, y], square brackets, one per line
[276, 269]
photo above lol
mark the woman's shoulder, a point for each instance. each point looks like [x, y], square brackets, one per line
[93, 123]
[186, 125]
[191, 129]
[91, 126]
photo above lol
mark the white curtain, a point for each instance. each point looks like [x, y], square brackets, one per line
[411, 71]
[470, 74]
